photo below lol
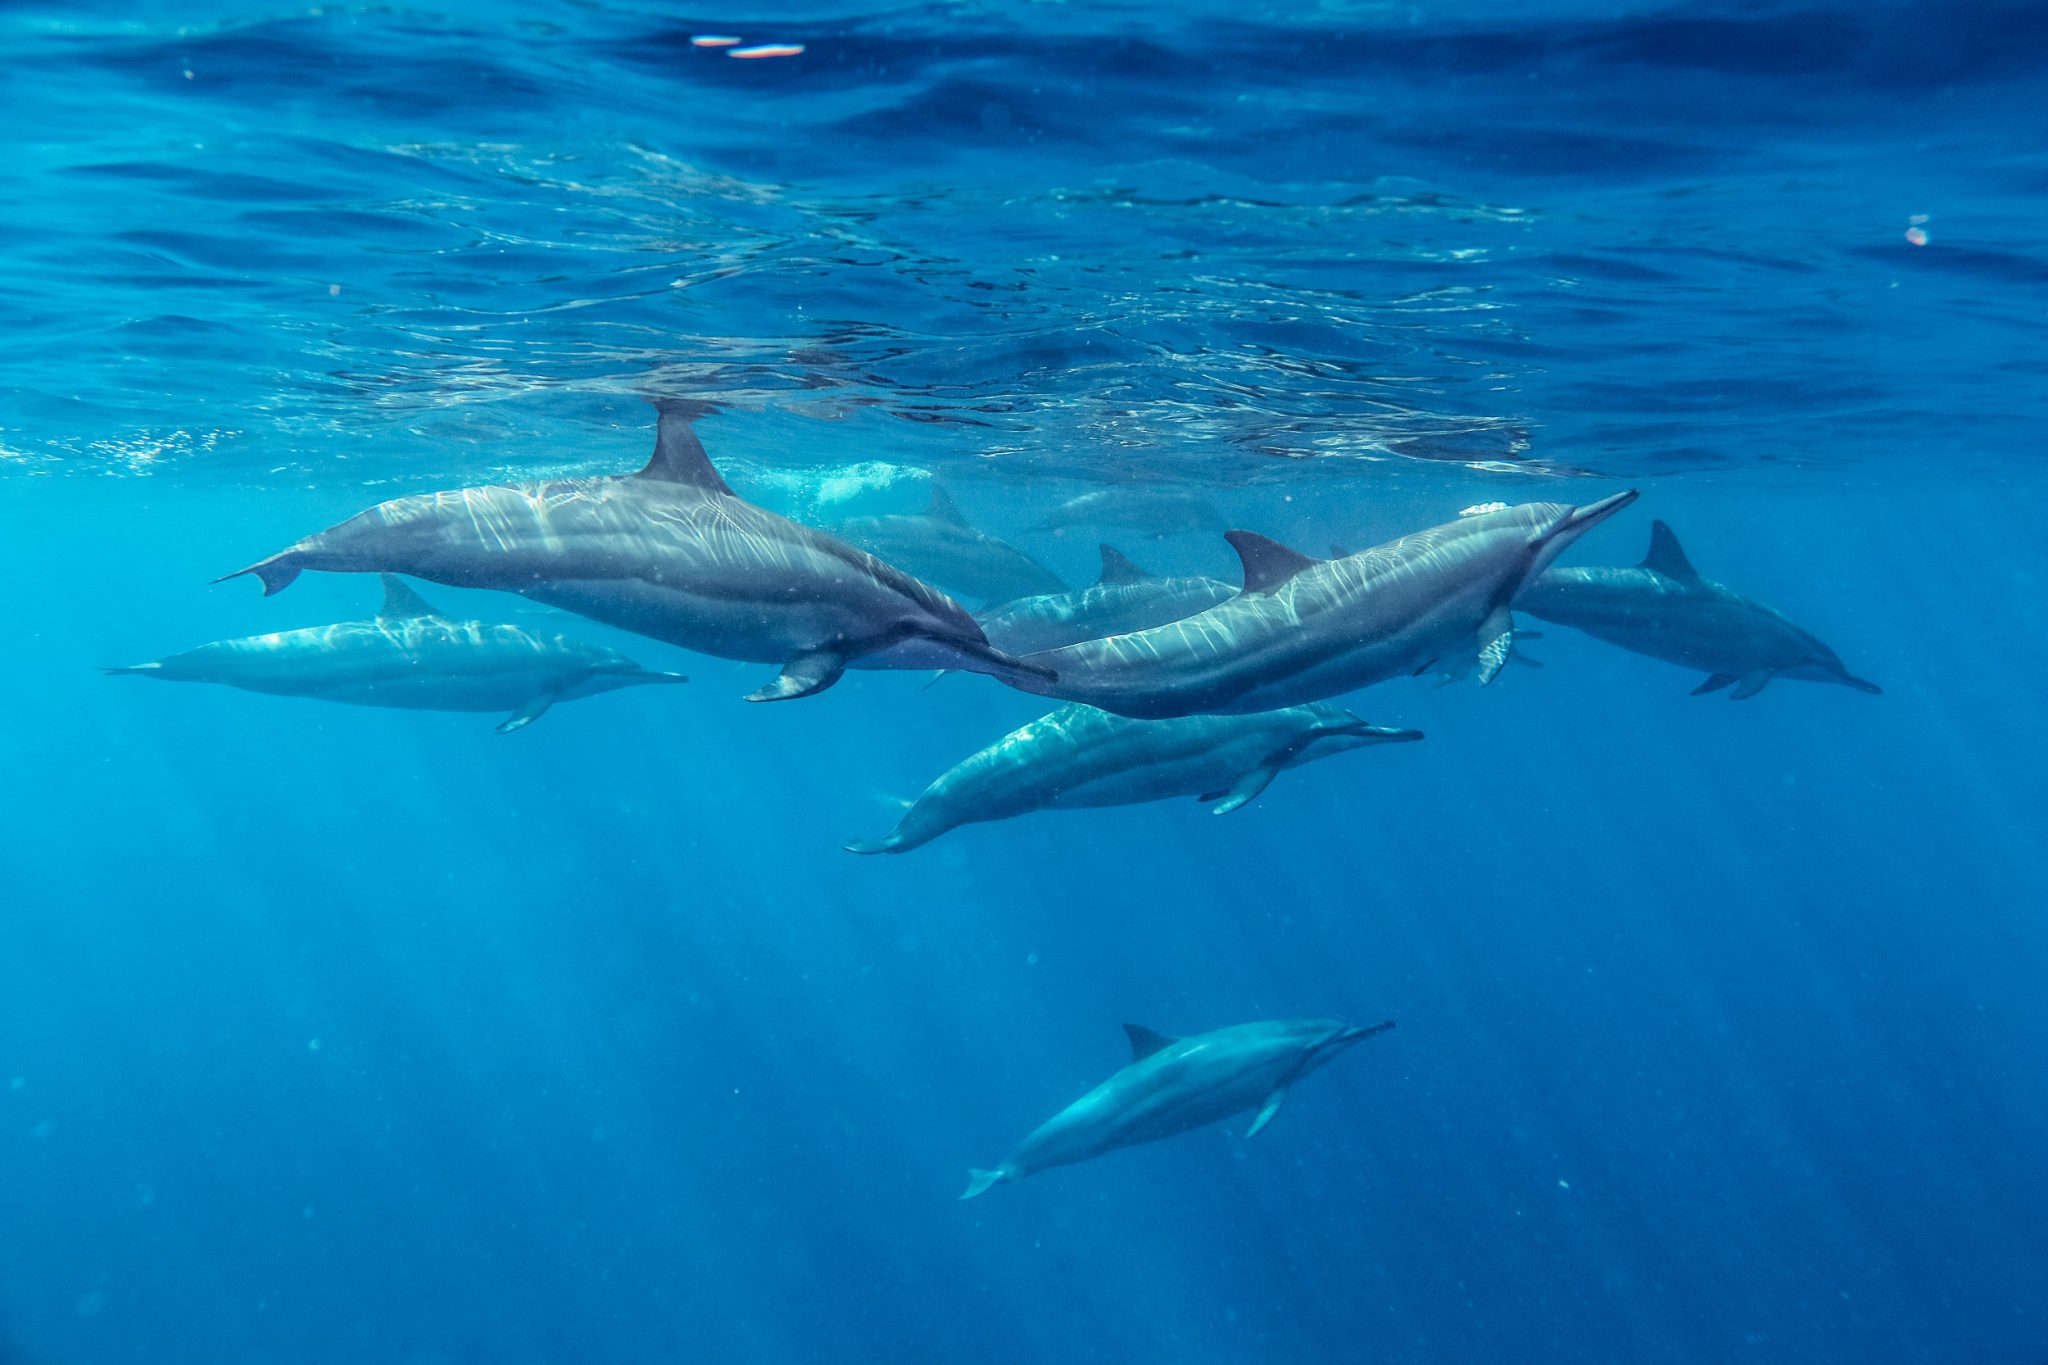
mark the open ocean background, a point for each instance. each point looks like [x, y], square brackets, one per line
[338, 1035]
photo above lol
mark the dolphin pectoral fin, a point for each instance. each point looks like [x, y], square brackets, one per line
[1494, 655]
[1245, 789]
[1266, 1111]
[979, 1180]
[1714, 684]
[276, 573]
[1751, 684]
[527, 714]
[1496, 644]
[803, 675]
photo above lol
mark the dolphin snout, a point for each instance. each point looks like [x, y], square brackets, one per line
[1593, 513]
[1383, 734]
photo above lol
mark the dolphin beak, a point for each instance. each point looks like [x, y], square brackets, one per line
[1593, 513]
[1851, 680]
[1379, 734]
[1358, 1031]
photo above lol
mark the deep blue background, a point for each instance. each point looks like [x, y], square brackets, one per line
[339, 1035]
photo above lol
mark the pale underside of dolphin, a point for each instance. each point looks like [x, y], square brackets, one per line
[1079, 757]
[1662, 607]
[412, 657]
[671, 553]
[1304, 629]
[942, 547]
[1174, 1085]
[1124, 599]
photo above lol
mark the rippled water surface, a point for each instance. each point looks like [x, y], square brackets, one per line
[330, 1034]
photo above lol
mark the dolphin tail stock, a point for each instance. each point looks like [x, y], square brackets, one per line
[276, 572]
[979, 1180]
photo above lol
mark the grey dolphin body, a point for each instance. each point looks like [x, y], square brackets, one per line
[411, 656]
[1663, 608]
[938, 544]
[1304, 629]
[1080, 757]
[1173, 1085]
[1124, 599]
[668, 553]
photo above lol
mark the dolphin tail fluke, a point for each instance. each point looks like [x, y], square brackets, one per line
[979, 1180]
[277, 572]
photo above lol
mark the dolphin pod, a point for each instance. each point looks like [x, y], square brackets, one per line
[1124, 599]
[413, 657]
[1663, 608]
[1079, 757]
[671, 553]
[1304, 629]
[1173, 1085]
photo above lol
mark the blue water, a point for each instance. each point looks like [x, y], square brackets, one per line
[341, 1035]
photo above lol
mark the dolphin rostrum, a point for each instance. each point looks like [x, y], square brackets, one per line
[1124, 599]
[1080, 757]
[413, 657]
[1173, 1085]
[1303, 629]
[940, 546]
[669, 553]
[1663, 608]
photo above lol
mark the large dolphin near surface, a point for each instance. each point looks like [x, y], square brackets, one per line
[1124, 599]
[411, 656]
[1303, 629]
[1173, 1085]
[1080, 757]
[938, 544]
[669, 553]
[1663, 608]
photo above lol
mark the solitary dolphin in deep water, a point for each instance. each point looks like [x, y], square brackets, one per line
[411, 656]
[669, 553]
[1124, 599]
[939, 545]
[1303, 629]
[1173, 1085]
[1079, 757]
[1663, 608]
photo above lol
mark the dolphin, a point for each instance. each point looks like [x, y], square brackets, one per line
[1173, 1085]
[1663, 608]
[1080, 757]
[1158, 510]
[938, 544]
[1124, 599]
[1303, 629]
[669, 553]
[413, 657]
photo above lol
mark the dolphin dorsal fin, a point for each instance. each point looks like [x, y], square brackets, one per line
[678, 455]
[1117, 567]
[1144, 1042]
[1666, 556]
[401, 601]
[943, 508]
[1267, 563]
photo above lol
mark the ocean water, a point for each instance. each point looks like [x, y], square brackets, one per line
[332, 1034]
